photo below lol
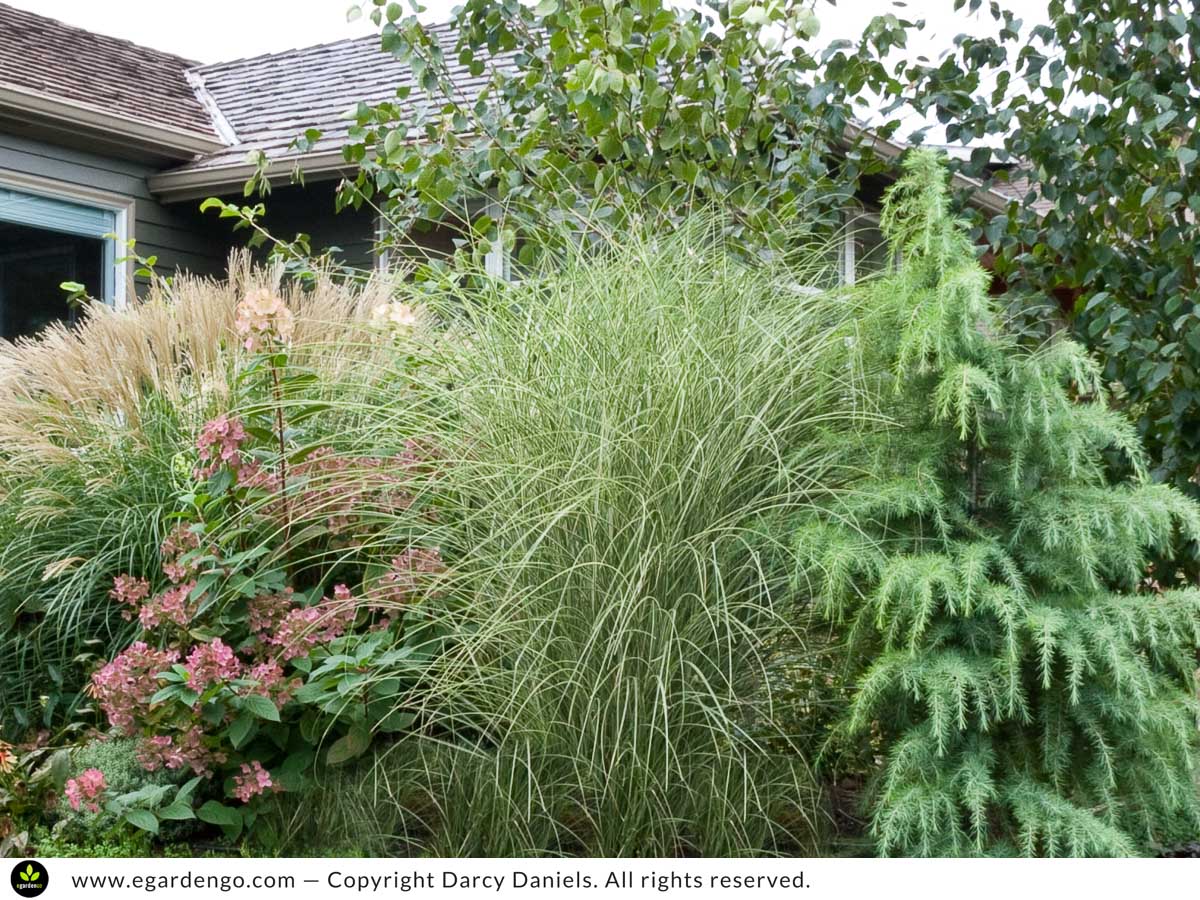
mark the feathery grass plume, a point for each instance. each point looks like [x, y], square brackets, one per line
[605, 430]
[1031, 690]
[98, 423]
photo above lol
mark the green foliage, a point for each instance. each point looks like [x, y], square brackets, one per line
[607, 427]
[132, 844]
[1100, 107]
[594, 110]
[1029, 692]
[68, 526]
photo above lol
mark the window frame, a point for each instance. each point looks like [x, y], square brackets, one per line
[123, 208]
[847, 257]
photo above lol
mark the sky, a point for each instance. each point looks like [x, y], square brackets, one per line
[219, 30]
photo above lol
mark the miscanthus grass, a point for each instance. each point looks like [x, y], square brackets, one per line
[607, 430]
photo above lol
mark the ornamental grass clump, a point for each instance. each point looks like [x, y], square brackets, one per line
[261, 631]
[98, 423]
[607, 428]
[1029, 688]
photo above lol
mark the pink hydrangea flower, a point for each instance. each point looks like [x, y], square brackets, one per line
[181, 541]
[220, 445]
[159, 752]
[212, 663]
[85, 790]
[253, 780]
[188, 749]
[266, 611]
[339, 489]
[272, 683]
[130, 591]
[305, 627]
[410, 576]
[169, 606]
[124, 686]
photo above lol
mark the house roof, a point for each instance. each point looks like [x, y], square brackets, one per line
[212, 118]
[266, 102]
[52, 70]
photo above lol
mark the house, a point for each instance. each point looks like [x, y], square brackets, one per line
[100, 136]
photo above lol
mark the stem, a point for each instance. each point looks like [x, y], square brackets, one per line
[973, 464]
[279, 433]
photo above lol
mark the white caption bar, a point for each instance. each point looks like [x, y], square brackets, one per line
[652, 878]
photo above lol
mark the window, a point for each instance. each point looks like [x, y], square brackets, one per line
[864, 251]
[51, 233]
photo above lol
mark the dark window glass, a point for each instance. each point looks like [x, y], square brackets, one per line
[34, 262]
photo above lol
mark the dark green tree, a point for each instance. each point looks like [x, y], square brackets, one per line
[1030, 693]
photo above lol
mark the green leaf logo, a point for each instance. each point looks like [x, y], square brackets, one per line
[29, 878]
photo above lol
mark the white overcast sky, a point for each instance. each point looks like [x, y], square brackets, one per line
[218, 30]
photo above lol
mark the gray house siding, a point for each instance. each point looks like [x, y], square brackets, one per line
[177, 235]
[311, 209]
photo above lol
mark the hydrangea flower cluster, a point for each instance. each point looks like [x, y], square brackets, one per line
[85, 790]
[211, 663]
[253, 780]
[262, 318]
[290, 630]
[303, 628]
[220, 445]
[181, 541]
[408, 577]
[189, 748]
[131, 592]
[170, 606]
[338, 489]
[271, 682]
[266, 611]
[400, 316]
[125, 685]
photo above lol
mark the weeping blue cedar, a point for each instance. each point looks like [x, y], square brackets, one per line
[1031, 690]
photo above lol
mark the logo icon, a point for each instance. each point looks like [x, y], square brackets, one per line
[29, 878]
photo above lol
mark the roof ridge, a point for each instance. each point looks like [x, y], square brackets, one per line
[221, 124]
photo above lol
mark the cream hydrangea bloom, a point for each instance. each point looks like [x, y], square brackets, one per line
[263, 315]
[397, 315]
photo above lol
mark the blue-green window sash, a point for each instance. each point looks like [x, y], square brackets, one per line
[66, 217]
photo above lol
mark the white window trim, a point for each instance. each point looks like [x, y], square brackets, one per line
[847, 261]
[123, 208]
[381, 250]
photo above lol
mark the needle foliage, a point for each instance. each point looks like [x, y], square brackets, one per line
[1029, 688]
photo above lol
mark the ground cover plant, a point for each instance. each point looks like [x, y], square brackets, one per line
[1029, 688]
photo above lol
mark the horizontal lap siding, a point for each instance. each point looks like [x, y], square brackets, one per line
[177, 235]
